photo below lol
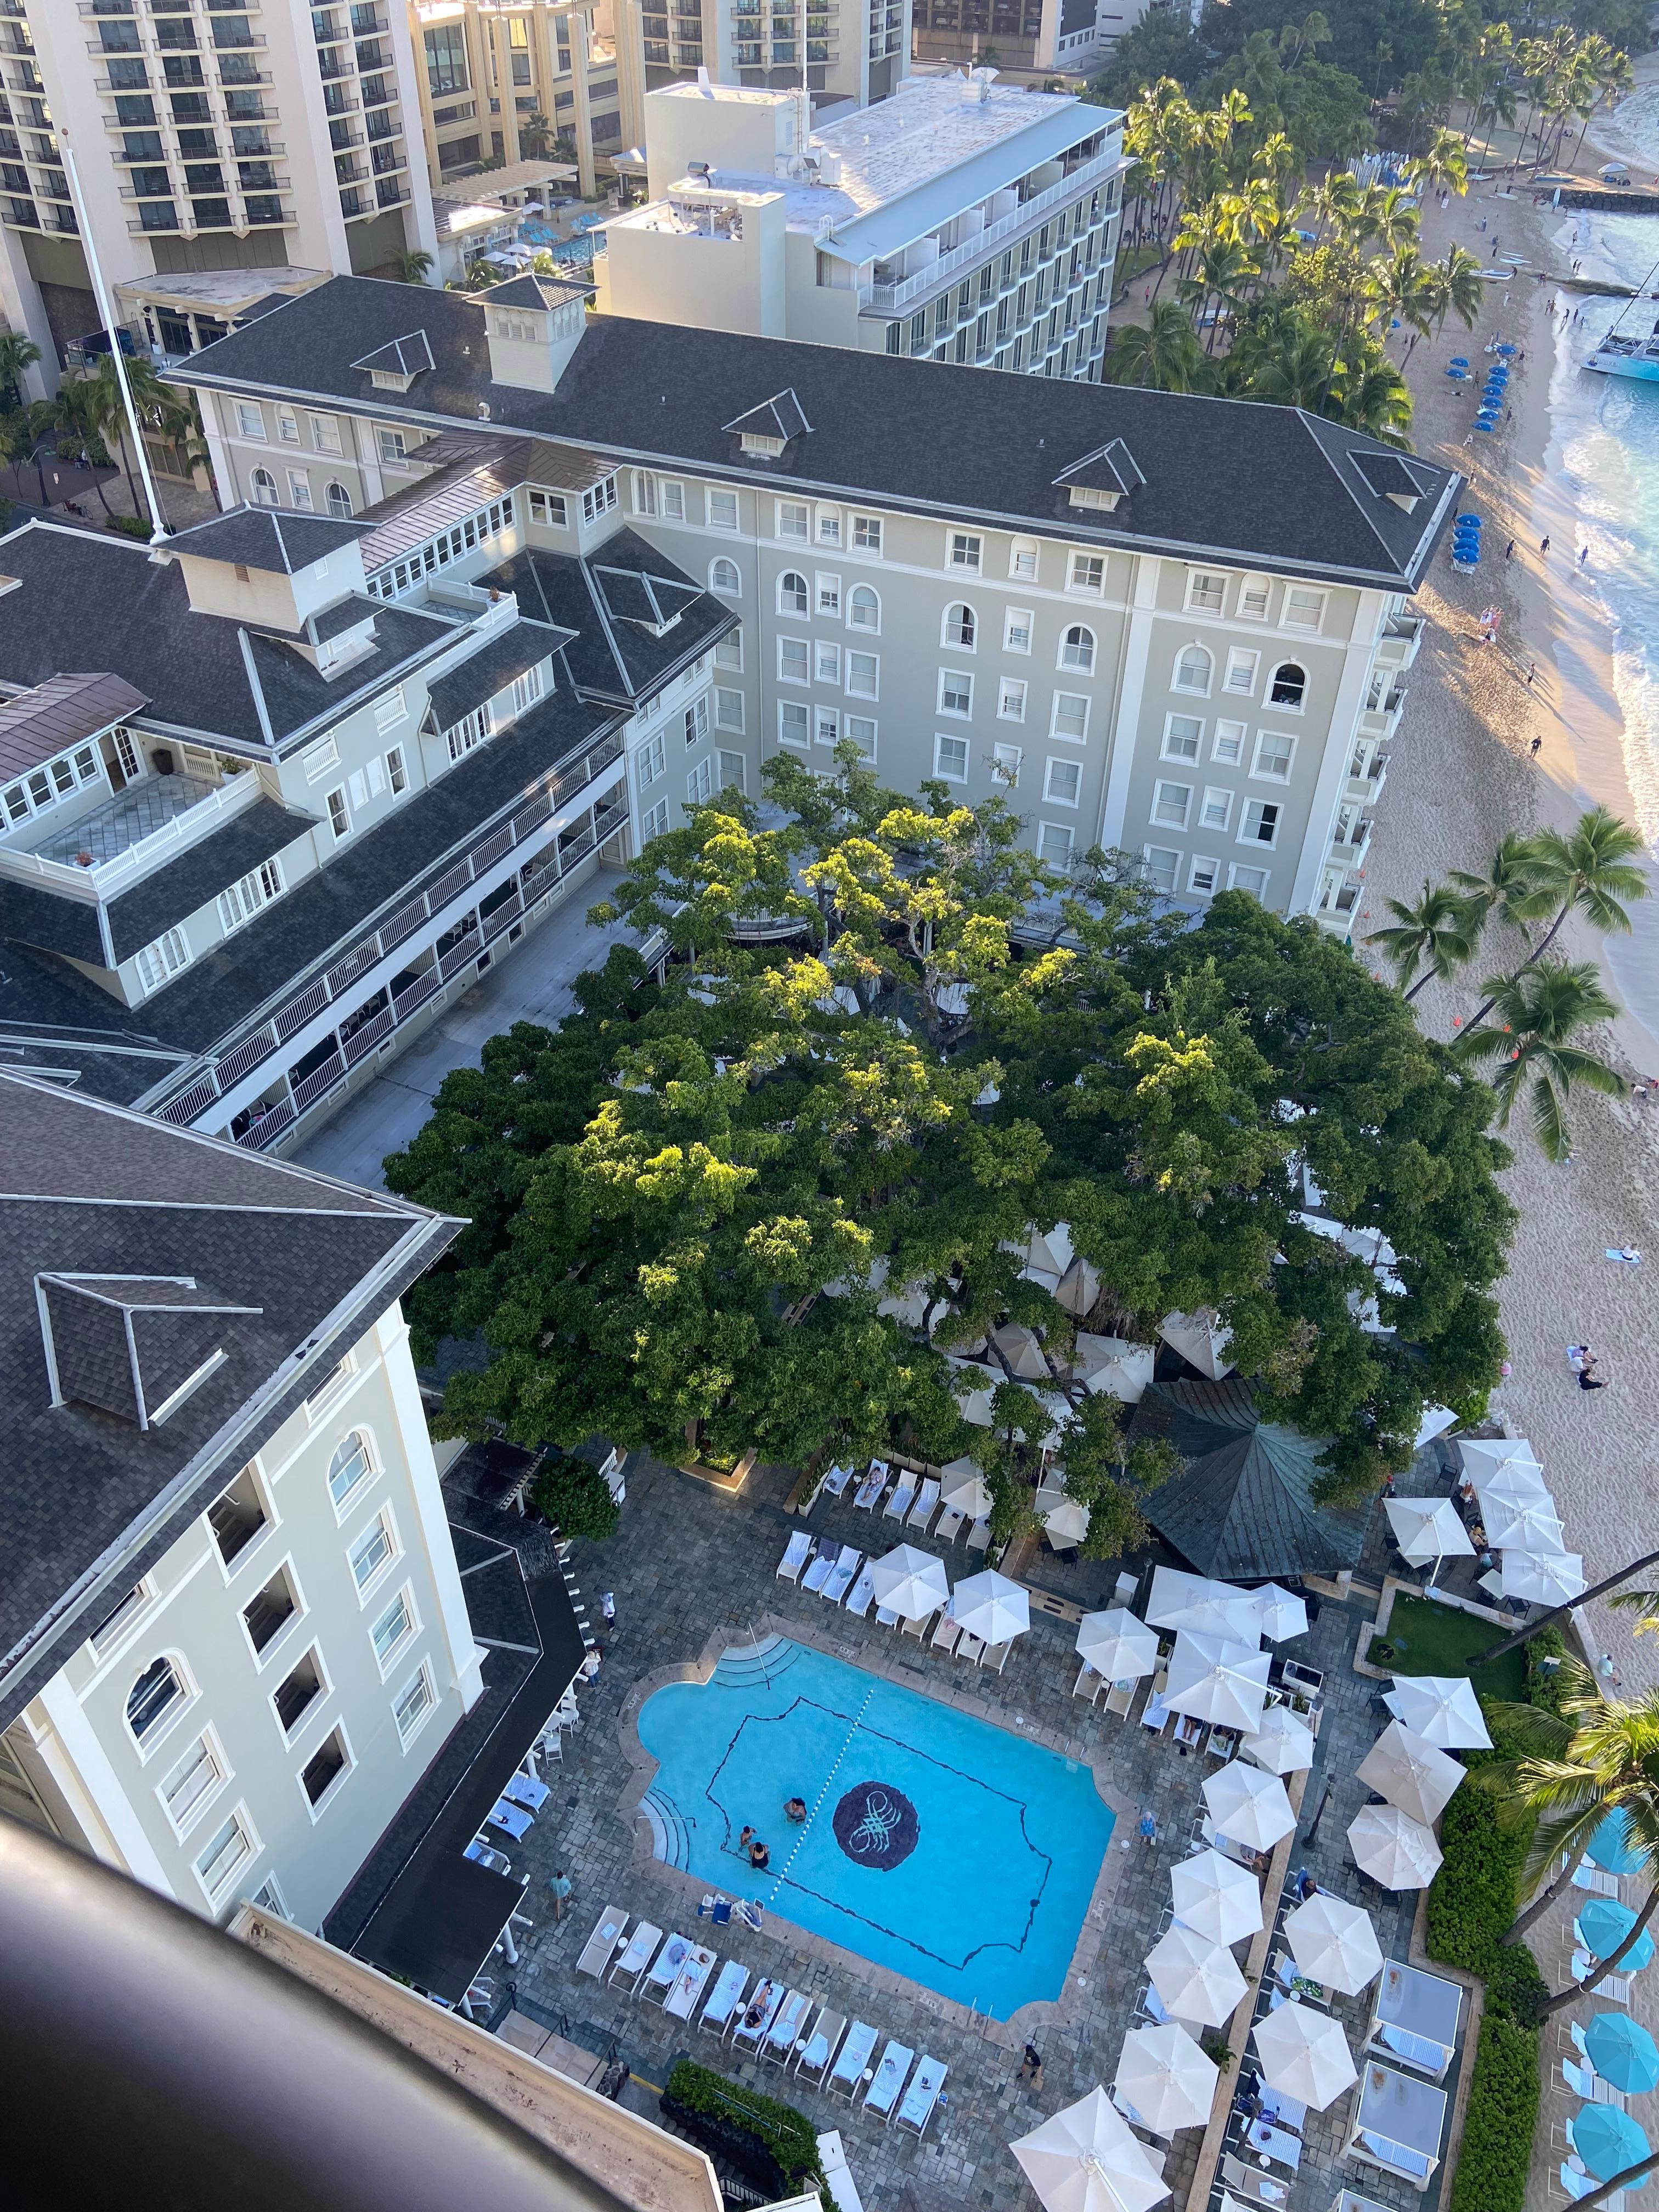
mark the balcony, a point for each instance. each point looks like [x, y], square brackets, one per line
[100, 854]
[1364, 788]
[1384, 720]
[1398, 646]
[1349, 852]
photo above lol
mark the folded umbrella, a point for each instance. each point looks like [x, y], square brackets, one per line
[1304, 2054]
[1394, 1849]
[1622, 2052]
[1284, 1743]
[1117, 1645]
[1416, 1777]
[1249, 1805]
[1087, 2159]
[1443, 1709]
[1164, 2075]
[1216, 1897]
[1335, 1943]
[1195, 1978]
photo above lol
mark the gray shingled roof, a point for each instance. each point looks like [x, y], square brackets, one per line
[1228, 479]
[63, 711]
[616, 656]
[294, 1266]
[278, 539]
[407, 356]
[1244, 1507]
[532, 291]
[492, 669]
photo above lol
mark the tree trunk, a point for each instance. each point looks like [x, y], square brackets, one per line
[1546, 1897]
[1596, 1589]
[1574, 1991]
[1604, 2189]
[1531, 961]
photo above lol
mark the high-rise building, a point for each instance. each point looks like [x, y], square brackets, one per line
[227, 151]
[960, 220]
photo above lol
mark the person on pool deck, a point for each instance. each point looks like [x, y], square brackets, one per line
[795, 1809]
[758, 2005]
[759, 1858]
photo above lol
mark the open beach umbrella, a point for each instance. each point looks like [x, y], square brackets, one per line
[1304, 2054]
[1333, 1942]
[1487, 1454]
[1603, 1925]
[1282, 1613]
[1416, 1777]
[1394, 1849]
[990, 1606]
[1023, 1350]
[1087, 2159]
[1195, 1978]
[964, 1490]
[1162, 2072]
[1249, 1804]
[1443, 1709]
[1514, 1484]
[910, 1582]
[1427, 1528]
[1114, 1364]
[1610, 1846]
[1201, 1607]
[1201, 1338]
[1214, 1681]
[1117, 1645]
[1609, 2140]
[1079, 1287]
[1284, 1743]
[1066, 1521]
[1543, 1581]
[1216, 1897]
[1524, 1524]
[1621, 2051]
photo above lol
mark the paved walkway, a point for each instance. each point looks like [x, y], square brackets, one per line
[689, 1567]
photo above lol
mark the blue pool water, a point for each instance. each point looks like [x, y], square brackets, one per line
[938, 1846]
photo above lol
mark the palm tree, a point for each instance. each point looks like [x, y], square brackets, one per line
[73, 420]
[1589, 869]
[1297, 363]
[1223, 275]
[411, 264]
[1465, 295]
[1543, 1008]
[17, 355]
[1368, 394]
[1162, 355]
[1442, 929]
[1574, 1769]
[1443, 167]
[1403, 285]
[1510, 889]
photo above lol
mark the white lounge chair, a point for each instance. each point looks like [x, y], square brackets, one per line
[862, 1594]
[788, 2029]
[836, 1481]
[971, 1649]
[945, 1631]
[726, 1998]
[1088, 1683]
[846, 2075]
[917, 1628]
[841, 1574]
[817, 2051]
[950, 1526]
[666, 1968]
[926, 1504]
[681, 2000]
[641, 1949]
[796, 1554]
[916, 2106]
[996, 1656]
[754, 2024]
[978, 1537]
[883, 2095]
[870, 1489]
[527, 1790]
[899, 1503]
[885, 1617]
[601, 1948]
[822, 1561]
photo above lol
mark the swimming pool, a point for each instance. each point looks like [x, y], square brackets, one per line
[936, 1844]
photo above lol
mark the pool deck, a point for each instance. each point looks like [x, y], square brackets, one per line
[694, 1570]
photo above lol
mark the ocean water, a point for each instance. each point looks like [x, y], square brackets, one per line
[936, 1844]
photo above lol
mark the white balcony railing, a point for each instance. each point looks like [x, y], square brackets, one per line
[109, 878]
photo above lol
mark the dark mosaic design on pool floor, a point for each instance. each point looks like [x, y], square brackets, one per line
[877, 1827]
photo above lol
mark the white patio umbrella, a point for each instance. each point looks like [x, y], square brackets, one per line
[1066, 1521]
[1512, 1486]
[1392, 1848]
[1490, 1453]
[1162, 2072]
[1249, 1805]
[1023, 1350]
[1213, 1679]
[1201, 1338]
[1079, 1287]
[1305, 2054]
[971, 1386]
[910, 1582]
[1216, 1897]
[1282, 1613]
[1524, 1524]
[1284, 1743]
[1428, 1528]
[963, 1488]
[1117, 1645]
[1442, 1709]
[990, 1606]
[1416, 1776]
[1544, 1580]
[1086, 2159]
[1201, 1607]
[1195, 1979]
[1114, 1364]
[1334, 1942]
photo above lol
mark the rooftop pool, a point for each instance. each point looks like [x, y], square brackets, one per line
[936, 1845]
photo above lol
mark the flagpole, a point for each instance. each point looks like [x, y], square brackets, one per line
[158, 530]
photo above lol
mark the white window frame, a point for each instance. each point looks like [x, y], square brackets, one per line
[653, 822]
[1011, 694]
[1172, 854]
[1170, 748]
[1065, 737]
[383, 1524]
[1305, 592]
[549, 508]
[346, 1500]
[720, 515]
[262, 481]
[325, 435]
[797, 653]
[320, 1806]
[860, 595]
[339, 811]
[421, 1678]
[1165, 785]
[1088, 646]
[867, 534]
[287, 426]
[1254, 598]
[856, 672]
[1177, 682]
[251, 422]
[734, 770]
[965, 552]
[393, 450]
[649, 762]
[386, 1659]
[826, 726]
[389, 709]
[953, 676]
[241, 1820]
[699, 784]
[1272, 706]
[950, 632]
[826, 527]
[796, 735]
[732, 591]
[1228, 745]
[728, 651]
[212, 1754]
[1073, 767]
[1018, 630]
[168, 1718]
[826, 662]
[1215, 809]
[949, 775]
[1022, 559]
[1087, 573]
[1194, 888]
[786, 598]
[788, 514]
[1260, 844]
[599, 498]
[862, 731]
[1243, 665]
[1007, 761]
[239, 902]
[1062, 836]
[161, 959]
[694, 723]
[728, 708]
[1206, 591]
[1240, 868]
[299, 491]
[1275, 737]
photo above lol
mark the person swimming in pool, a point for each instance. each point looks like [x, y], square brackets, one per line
[795, 1809]
[759, 1858]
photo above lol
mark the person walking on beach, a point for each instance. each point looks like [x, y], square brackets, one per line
[1509, 550]
[1532, 670]
[1532, 750]
[1543, 545]
[1584, 556]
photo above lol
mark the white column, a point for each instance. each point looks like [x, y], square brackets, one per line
[1132, 686]
[1338, 746]
[79, 1765]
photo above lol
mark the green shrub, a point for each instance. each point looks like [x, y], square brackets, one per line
[574, 1498]
[1473, 1898]
[1502, 2112]
[786, 2135]
[1471, 1410]
[128, 525]
[1515, 1987]
[1544, 1680]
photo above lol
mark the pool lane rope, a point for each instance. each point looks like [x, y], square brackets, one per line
[817, 1806]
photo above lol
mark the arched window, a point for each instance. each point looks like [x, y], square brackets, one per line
[1288, 685]
[152, 1696]
[1077, 648]
[265, 488]
[961, 627]
[1022, 558]
[339, 502]
[350, 1463]
[863, 608]
[723, 576]
[793, 598]
[1193, 667]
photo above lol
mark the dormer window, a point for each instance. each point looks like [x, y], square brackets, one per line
[599, 498]
[395, 367]
[1103, 479]
[755, 441]
[766, 431]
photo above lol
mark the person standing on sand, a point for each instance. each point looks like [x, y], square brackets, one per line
[1509, 550]
[1532, 671]
[1532, 750]
[1543, 545]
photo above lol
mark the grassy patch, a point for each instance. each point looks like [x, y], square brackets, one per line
[1436, 1639]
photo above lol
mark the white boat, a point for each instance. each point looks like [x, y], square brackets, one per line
[1622, 353]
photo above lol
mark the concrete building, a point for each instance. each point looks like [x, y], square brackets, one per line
[228, 154]
[1028, 37]
[234, 1625]
[960, 221]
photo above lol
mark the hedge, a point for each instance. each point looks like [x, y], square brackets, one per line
[574, 1498]
[1497, 2128]
[778, 2132]
[1473, 1898]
